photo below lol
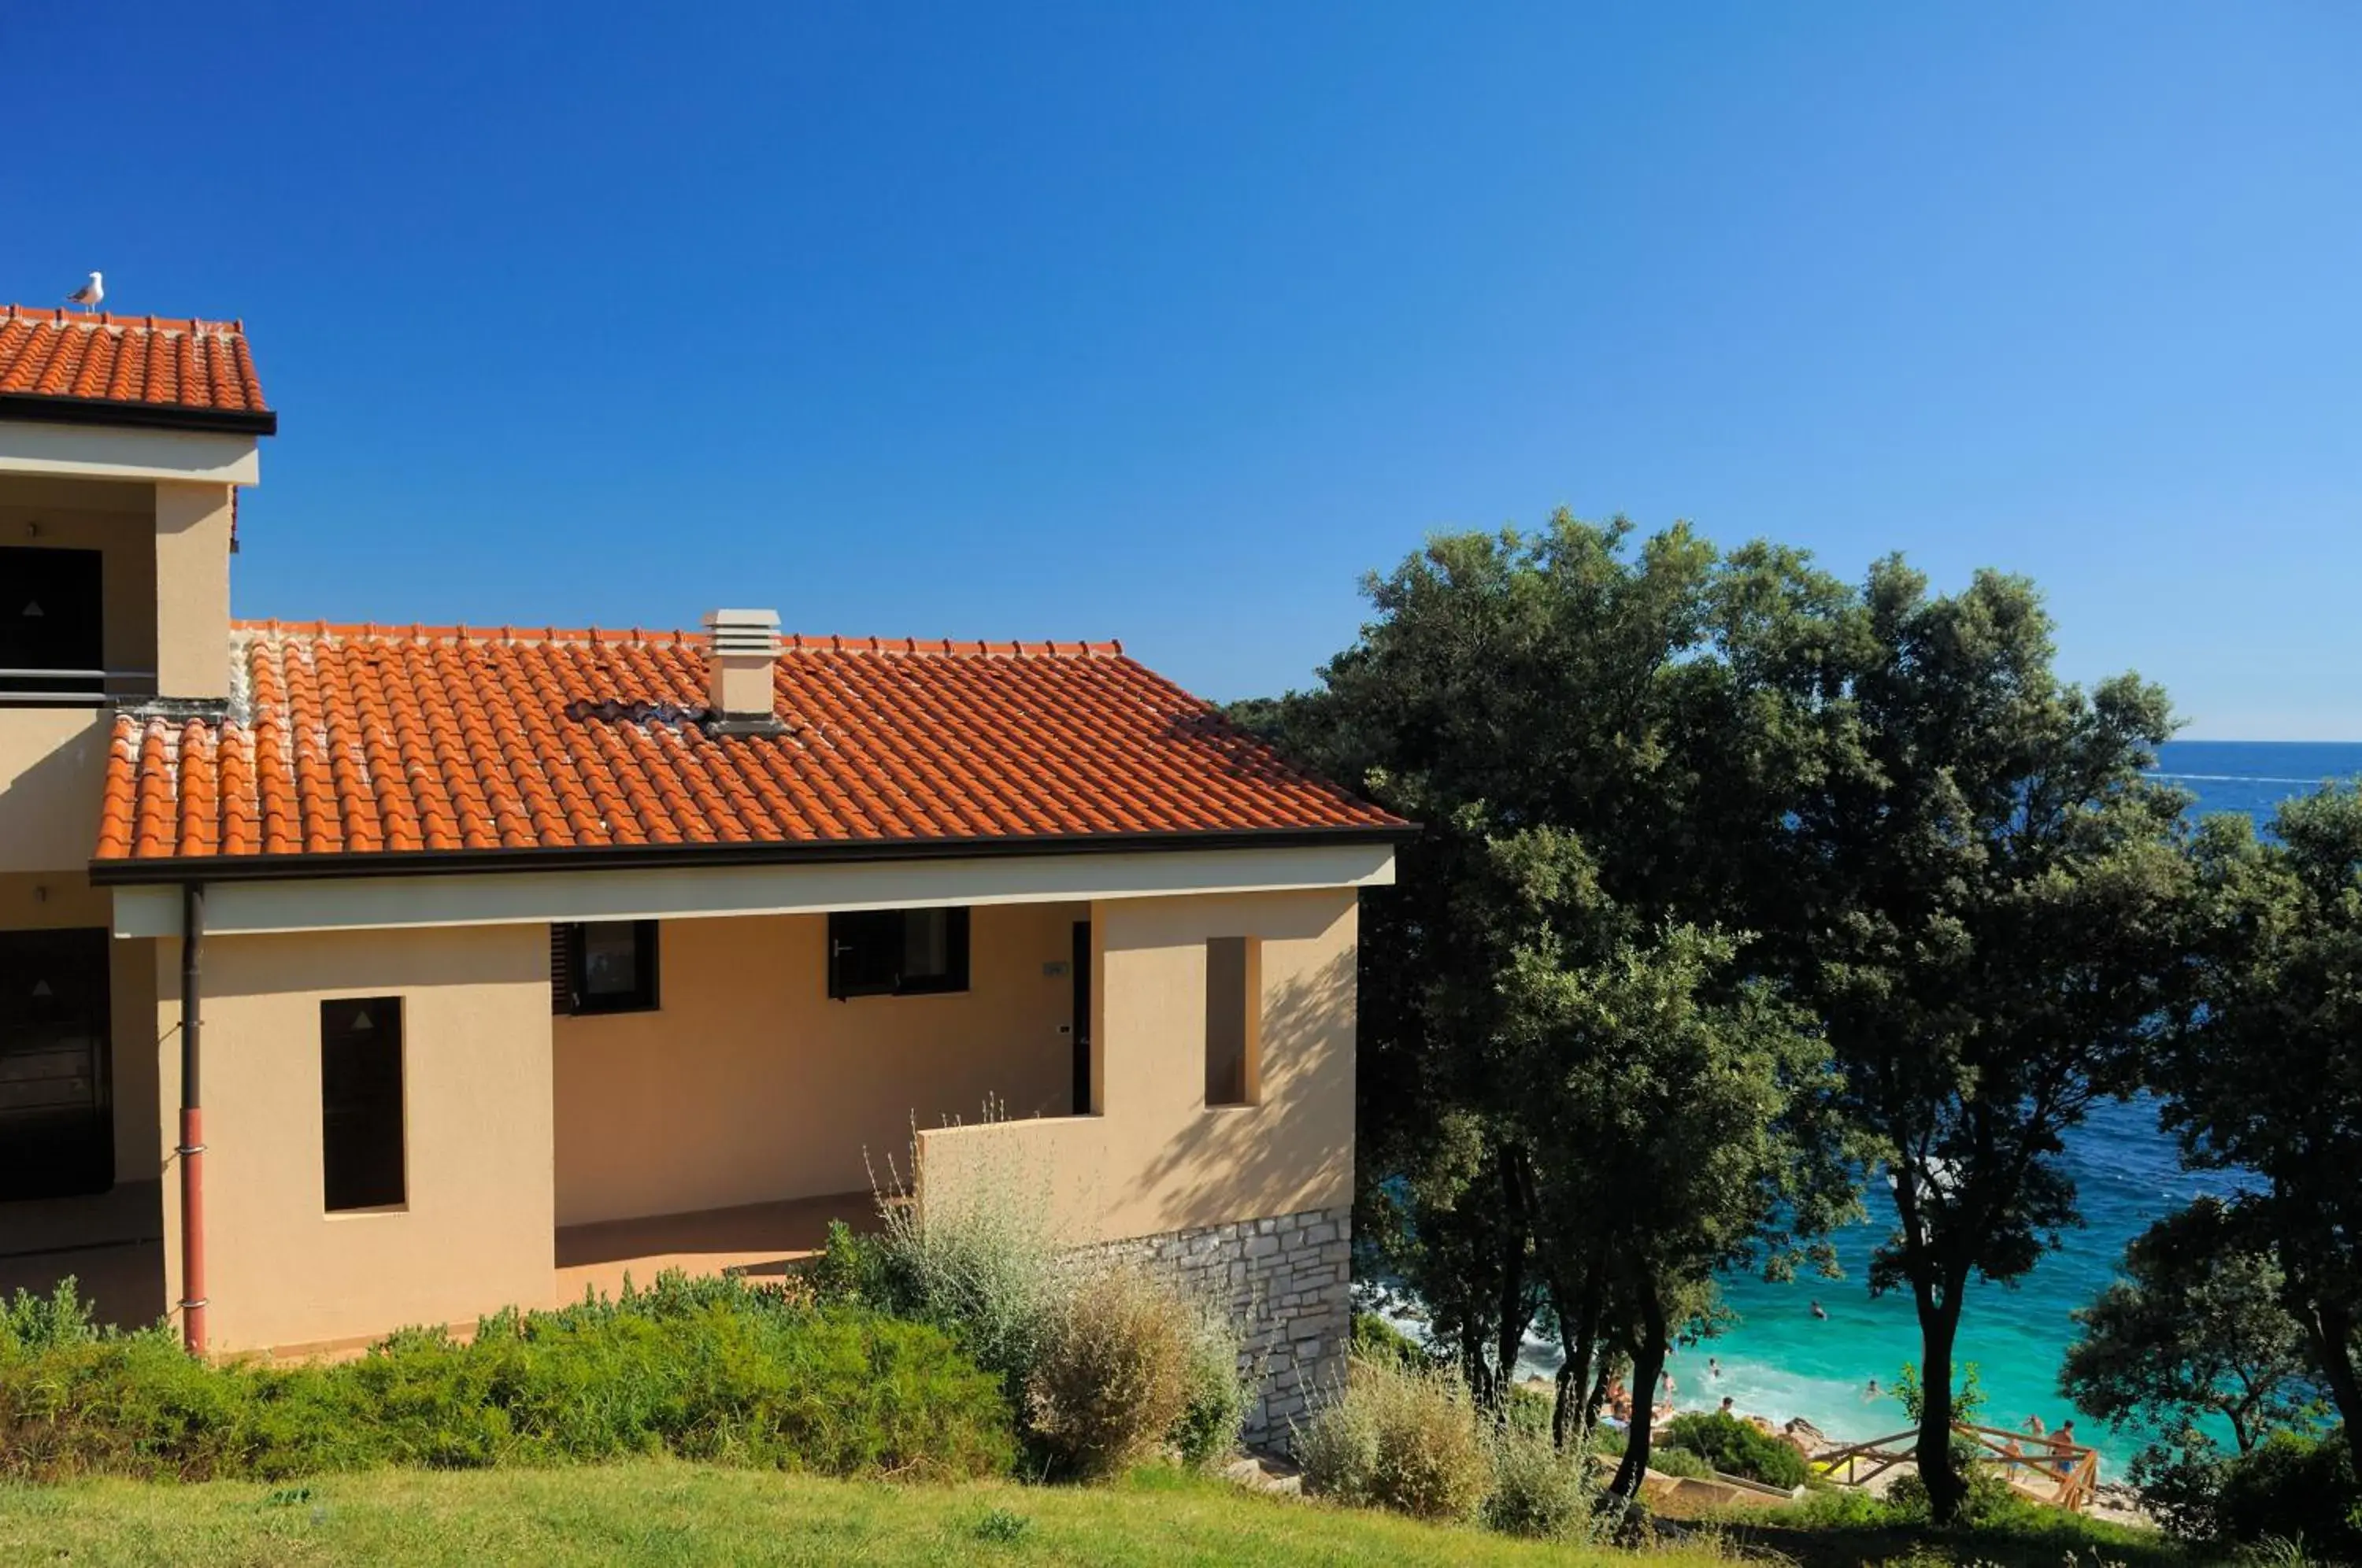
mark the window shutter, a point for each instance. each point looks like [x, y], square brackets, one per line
[561, 969]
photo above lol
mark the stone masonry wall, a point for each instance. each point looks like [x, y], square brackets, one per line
[1288, 1282]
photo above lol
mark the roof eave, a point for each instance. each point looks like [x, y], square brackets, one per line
[42, 408]
[138, 871]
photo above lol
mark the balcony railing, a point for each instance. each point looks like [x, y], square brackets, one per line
[73, 688]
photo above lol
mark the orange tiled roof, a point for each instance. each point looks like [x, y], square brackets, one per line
[368, 740]
[137, 362]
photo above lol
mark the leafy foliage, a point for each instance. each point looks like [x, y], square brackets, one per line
[2195, 1328]
[2265, 1079]
[1733, 1446]
[705, 1369]
[1398, 1439]
[1111, 1378]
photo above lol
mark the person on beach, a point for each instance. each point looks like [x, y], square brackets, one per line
[1725, 1405]
[2063, 1445]
[2034, 1425]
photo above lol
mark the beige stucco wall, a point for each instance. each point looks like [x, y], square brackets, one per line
[749, 1085]
[1156, 1158]
[52, 771]
[193, 537]
[477, 1232]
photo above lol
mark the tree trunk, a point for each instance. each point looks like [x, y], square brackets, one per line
[1939, 1323]
[1514, 1313]
[1648, 1368]
[1578, 1330]
[2332, 1325]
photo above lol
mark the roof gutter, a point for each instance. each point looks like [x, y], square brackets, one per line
[677, 856]
[48, 410]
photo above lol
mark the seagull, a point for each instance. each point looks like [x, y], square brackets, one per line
[91, 294]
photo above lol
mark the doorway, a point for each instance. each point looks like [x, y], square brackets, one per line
[1081, 970]
[57, 1128]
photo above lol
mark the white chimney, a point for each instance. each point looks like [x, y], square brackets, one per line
[741, 647]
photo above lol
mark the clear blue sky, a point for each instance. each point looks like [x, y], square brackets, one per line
[1167, 322]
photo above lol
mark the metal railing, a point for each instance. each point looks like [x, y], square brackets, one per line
[88, 688]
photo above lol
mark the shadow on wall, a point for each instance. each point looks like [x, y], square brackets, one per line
[1295, 1149]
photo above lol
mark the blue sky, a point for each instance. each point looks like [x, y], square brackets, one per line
[1167, 322]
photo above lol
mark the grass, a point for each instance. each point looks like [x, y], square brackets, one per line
[665, 1511]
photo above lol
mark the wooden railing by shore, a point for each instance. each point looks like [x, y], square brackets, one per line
[2064, 1475]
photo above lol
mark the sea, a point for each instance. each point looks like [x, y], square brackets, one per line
[1780, 1361]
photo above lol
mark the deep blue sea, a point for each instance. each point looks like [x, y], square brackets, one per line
[1780, 1361]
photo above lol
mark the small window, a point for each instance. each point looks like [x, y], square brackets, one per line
[360, 1103]
[604, 966]
[1233, 1005]
[51, 605]
[896, 953]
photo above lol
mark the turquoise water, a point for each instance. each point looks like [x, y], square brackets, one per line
[1782, 1362]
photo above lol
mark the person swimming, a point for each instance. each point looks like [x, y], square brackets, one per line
[1871, 1392]
[1820, 1312]
[1712, 1367]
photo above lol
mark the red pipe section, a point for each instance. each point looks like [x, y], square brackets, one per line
[192, 1125]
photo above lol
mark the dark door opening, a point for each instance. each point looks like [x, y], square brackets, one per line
[56, 1127]
[1081, 969]
[51, 618]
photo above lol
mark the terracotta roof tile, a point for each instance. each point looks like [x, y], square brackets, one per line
[362, 740]
[157, 361]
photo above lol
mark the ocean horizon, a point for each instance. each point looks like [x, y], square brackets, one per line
[1779, 1361]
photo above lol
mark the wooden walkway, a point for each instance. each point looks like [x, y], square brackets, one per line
[2064, 1475]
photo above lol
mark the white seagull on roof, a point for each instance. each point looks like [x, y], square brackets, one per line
[91, 295]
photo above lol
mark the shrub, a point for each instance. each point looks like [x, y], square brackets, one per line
[1207, 1431]
[1667, 1459]
[1540, 1490]
[1990, 1499]
[1731, 1446]
[1398, 1438]
[1376, 1340]
[1110, 1379]
[707, 1369]
[2295, 1487]
[988, 1266]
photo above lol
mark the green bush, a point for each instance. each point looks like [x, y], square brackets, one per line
[1540, 1490]
[1990, 1499]
[1398, 1438]
[707, 1369]
[2294, 1487]
[1667, 1459]
[1110, 1379]
[1207, 1431]
[1376, 1340]
[1731, 1446]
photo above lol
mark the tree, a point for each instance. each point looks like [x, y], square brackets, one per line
[1594, 778]
[2194, 1329]
[2265, 1078]
[1982, 904]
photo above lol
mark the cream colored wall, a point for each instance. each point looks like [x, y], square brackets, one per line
[1156, 1158]
[52, 771]
[50, 903]
[117, 521]
[192, 529]
[749, 1085]
[477, 1231]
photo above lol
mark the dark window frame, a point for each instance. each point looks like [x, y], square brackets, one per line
[568, 996]
[369, 1174]
[71, 581]
[1233, 1022]
[855, 933]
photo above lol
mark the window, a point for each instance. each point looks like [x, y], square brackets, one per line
[1233, 1022]
[50, 610]
[360, 1103]
[896, 953]
[605, 966]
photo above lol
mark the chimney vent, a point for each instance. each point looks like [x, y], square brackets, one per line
[741, 647]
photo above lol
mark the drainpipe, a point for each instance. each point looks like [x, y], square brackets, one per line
[192, 1126]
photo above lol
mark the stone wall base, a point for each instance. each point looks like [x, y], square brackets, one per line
[1288, 1283]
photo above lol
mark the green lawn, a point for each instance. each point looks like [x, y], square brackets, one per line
[665, 1511]
[670, 1512]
